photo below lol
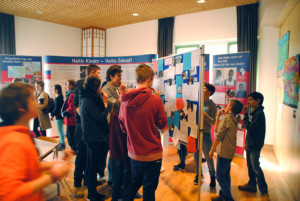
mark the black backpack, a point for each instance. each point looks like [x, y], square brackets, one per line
[50, 106]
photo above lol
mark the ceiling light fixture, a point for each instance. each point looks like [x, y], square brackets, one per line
[135, 14]
[38, 12]
[201, 1]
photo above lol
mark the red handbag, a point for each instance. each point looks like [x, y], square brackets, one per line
[191, 144]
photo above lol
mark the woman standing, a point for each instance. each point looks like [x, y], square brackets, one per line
[93, 114]
[43, 120]
[56, 112]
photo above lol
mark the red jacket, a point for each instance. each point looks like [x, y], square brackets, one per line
[19, 164]
[118, 141]
[70, 109]
[141, 114]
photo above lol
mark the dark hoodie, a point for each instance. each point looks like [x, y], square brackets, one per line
[141, 114]
[256, 129]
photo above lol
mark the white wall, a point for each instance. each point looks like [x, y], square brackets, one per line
[133, 39]
[209, 25]
[38, 38]
[266, 76]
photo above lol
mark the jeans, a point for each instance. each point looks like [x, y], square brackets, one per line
[121, 174]
[207, 143]
[223, 176]
[60, 129]
[36, 124]
[255, 172]
[71, 137]
[182, 152]
[80, 164]
[95, 158]
[144, 173]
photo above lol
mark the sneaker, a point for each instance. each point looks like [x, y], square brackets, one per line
[196, 180]
[218, 198]
[212, 182]
[95, 197]
[138, 195]
[78, 192]
[61, 147]
[179, 167]
[265, 197]
[248, 187]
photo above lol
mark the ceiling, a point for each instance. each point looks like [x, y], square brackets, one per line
[108, 13]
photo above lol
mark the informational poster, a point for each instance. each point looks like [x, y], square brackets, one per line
[60, 69]
[231, 79]
[283, 53]
[26, 68]
[178, 82]
[291, 81]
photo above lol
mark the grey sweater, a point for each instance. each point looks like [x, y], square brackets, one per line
[211, 109]
[226, 135]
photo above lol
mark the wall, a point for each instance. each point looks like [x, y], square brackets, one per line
[133, 39]
[209, 25]
[35, 37]
[287, 137]
[266, 76]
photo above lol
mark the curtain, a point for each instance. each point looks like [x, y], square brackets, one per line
[7, 34]
[247, 25]
[165, 36]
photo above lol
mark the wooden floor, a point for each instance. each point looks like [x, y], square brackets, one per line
[178, 186]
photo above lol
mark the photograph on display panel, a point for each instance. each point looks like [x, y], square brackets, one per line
[241, 89]
[218, 76]
[230, 76]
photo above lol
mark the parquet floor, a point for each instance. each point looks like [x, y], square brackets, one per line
[178, 186]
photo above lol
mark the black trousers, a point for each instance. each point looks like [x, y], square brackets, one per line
[36, 124]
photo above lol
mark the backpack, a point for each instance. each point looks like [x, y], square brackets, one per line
[50, 106]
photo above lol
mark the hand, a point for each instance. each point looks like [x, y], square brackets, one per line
[204, 114]
[123, 87]
[211, 154]
[246, 108]
[157, 93]
[52, 117]
[61, 168]
[68, 155]
[221, 112]
[104, 97]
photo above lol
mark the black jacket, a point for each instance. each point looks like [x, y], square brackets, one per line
[93, 115]
[77, 88]
[58, 103]
[256, 129]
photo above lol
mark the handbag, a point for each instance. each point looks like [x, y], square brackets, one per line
[191, 144]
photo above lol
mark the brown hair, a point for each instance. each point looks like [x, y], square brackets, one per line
[71, 82]
[13, 97]
[237, 106]
[41, 83]
[143, 72]
[92, 68]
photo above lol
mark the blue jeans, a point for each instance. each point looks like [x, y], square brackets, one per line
[144, 173]
[223, 176]
[255, 172]
[207, 143]
[182, 152]
[121, 175]
[71, 137]
[60, 129]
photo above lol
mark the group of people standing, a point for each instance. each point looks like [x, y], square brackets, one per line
[125, 121]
